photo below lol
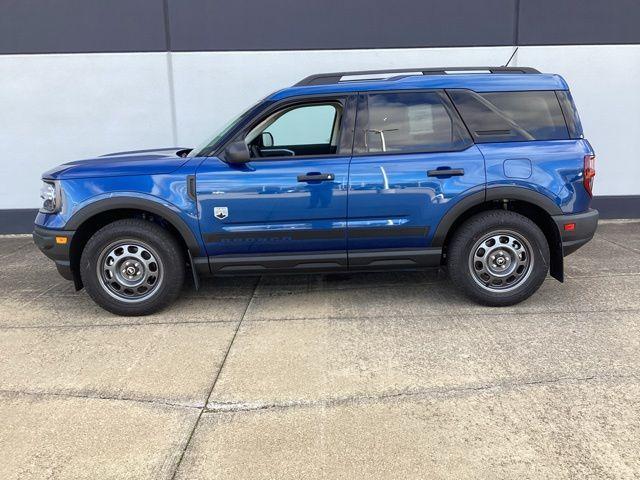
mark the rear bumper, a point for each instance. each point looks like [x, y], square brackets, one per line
[45, 240]
[584, 227]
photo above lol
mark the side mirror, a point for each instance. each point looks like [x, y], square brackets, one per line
[267, 139]
[237, 152]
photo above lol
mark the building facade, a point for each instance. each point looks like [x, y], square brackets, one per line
[81, 78]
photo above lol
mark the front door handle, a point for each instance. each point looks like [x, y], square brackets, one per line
[316, 177]
[446, 172]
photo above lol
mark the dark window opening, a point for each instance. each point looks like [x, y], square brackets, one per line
[408, 122]
[511, 116]
[570, 114]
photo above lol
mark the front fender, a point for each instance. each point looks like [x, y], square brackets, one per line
[138, 201]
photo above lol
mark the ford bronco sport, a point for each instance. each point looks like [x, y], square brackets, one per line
[482, 170]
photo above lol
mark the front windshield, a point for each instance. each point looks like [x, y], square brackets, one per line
[206, 147]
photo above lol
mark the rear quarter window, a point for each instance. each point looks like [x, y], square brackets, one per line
[511, 116]
[570, 114]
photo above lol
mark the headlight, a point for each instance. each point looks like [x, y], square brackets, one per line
[50, 195]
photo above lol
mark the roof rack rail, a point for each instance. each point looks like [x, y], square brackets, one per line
[329, 78]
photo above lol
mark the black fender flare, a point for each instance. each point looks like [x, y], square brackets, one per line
[156, 208]
[507, 193]
[492, 193]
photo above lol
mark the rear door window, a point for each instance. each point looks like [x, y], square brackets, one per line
[511, 116]
[408, 122]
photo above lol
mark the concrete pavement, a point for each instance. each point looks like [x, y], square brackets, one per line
[384, 375]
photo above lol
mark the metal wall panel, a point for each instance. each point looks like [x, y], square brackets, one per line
[208, 25]
[70, 26]
[82, 26]
[579, 22]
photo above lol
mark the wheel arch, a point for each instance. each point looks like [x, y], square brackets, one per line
[96, 215]
[537, 207]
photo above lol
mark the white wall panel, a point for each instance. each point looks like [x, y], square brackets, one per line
[212, 87]
[57, 108]
[605, 83]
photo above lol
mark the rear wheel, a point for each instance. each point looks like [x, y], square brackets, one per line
[132, 267]
[498, 258]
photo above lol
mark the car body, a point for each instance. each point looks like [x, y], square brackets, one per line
[367, 174]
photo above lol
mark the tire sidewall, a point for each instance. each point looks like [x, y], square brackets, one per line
[474, 230]
[159, 240]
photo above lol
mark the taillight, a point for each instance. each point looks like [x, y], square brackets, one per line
[589, 172]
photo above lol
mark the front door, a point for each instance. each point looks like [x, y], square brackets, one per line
[286, 209]
[412, 160]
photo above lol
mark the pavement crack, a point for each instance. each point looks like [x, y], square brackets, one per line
[436, 392]
[90, 396]
[116, 325]
[410, 316]
[340, 318]
[626, 247]
[213, 386]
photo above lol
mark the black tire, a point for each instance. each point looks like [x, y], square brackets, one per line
[146, 240]
[472, 258]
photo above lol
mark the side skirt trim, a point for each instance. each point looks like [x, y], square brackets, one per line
[279, 263]
[325, 262]
[395, 258]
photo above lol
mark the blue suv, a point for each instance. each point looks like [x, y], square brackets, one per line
[482, 170]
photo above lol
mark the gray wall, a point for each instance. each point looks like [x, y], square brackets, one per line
[73, 26]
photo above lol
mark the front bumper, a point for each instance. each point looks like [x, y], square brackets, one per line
[584, 227]
[50, 243]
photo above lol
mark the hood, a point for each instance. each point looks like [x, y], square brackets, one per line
[137, 162]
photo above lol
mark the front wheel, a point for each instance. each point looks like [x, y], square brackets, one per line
[132, 267]
[498, 258]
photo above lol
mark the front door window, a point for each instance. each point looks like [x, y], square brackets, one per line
[297, 131]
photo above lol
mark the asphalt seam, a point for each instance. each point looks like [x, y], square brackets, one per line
[203, 296]
[206, 296]
[213, 386]
[440, 315]
[342, 318]
[603, 275]
[42, 393]
[117, 325]
[626, 247]
[436, 392]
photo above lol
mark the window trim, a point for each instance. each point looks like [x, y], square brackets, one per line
[453, 113]
[345, 136]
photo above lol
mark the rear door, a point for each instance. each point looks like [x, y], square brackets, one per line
[413, 159]
[286, 208]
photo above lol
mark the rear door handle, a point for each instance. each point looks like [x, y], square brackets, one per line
[316, 177]
[446, 172]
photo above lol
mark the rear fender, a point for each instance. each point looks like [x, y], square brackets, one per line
[513, 198]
